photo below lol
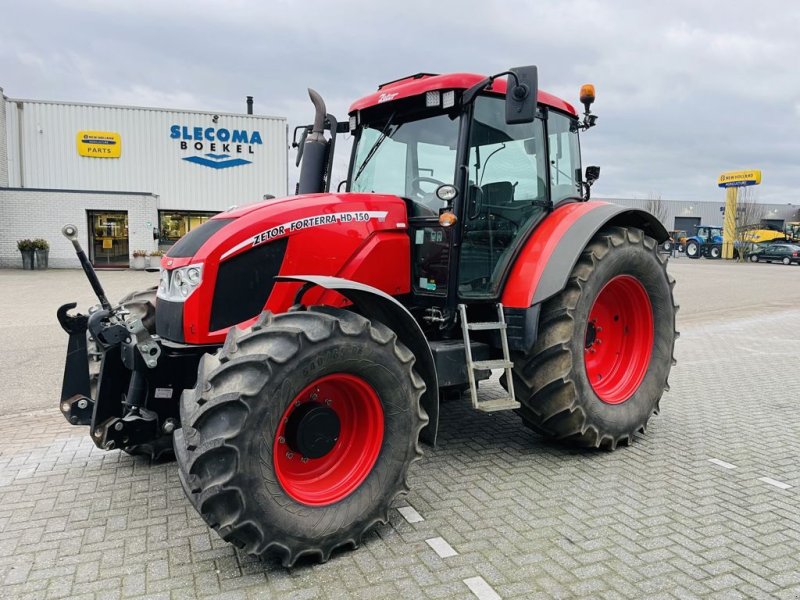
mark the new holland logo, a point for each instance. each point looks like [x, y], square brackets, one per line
[211, 140]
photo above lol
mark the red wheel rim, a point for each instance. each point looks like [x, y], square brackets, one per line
[619, 339]
[335, 475]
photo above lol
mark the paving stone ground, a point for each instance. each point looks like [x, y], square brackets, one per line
[532, 519]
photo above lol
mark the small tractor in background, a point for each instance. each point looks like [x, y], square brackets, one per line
[295, 351]
[676, 241]
[707, 241]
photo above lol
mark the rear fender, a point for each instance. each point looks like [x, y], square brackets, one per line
[372, 303]
[548, 257]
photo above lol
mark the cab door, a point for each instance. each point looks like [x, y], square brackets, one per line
[506, 195]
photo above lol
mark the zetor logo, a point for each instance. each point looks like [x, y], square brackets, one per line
[217, 144]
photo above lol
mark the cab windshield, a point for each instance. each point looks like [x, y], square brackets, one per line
[407, 157]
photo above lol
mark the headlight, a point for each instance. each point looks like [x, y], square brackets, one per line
[178, 284]
[163, 284]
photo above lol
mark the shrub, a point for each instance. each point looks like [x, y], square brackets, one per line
[157, 253]
[25, 245]
[138, 253]
[40, 244]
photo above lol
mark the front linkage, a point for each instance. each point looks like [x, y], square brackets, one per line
[134, 404]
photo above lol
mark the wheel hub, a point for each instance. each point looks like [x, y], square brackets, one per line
[619, 339]
[312, 430]
[328, 439]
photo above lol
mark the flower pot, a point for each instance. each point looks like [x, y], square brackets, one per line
[27, 259]
[146, 262]
[41, 259]
[138, 263]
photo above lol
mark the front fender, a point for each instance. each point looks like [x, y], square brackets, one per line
[543, 266]
[375, 304]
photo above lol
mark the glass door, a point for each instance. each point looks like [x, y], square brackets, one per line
[108, 238]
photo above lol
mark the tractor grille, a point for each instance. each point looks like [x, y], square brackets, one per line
[244, 284]
[169, 320]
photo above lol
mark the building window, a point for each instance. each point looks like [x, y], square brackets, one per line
[174, 224]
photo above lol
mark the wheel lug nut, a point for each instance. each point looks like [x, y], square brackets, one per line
[313, 396]
[281, 440]
[304, 460]
[290, 455]
[328, 401]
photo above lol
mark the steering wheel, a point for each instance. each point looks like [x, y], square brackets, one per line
[422, 179]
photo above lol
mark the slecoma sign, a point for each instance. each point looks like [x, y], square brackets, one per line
[217, 145]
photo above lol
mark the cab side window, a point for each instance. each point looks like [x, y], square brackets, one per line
[565, 158]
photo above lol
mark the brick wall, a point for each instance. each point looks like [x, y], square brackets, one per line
[42, 213]
[3, 142]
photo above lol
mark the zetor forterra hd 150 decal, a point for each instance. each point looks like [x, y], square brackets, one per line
[218, 148]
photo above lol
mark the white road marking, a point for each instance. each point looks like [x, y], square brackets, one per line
[441, 547]
[775, 482]
[410, 514]
[721, 463]
[481, 589]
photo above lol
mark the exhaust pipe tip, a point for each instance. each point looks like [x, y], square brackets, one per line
[319, 111]
[70, 232]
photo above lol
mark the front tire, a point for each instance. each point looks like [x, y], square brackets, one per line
[300, 431]
[604, 350]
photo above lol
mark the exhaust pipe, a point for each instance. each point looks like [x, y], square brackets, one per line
[71, 233]
[314, 151]
[249, 105]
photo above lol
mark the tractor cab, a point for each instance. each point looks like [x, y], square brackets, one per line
[708, 234]
[476, 182]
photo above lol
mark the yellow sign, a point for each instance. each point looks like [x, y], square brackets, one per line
[108, 243]
[99, 144]
[739, 178]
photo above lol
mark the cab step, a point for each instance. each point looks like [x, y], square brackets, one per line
[485, 326]
[492, 364]
[504, 403]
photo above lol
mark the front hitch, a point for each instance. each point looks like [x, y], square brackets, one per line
[76, 403]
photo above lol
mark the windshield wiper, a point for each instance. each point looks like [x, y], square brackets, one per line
[384, 134]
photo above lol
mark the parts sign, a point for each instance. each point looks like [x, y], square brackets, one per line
[99, 144]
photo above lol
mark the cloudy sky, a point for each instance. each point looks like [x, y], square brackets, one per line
[685, 89]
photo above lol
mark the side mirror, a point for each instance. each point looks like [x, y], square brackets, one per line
[521, 95]
[592, 174]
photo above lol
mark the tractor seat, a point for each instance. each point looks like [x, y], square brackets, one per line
[490, 197]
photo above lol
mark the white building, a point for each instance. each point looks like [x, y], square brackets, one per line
[130, 178]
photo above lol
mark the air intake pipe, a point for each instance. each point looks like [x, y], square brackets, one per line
[314, 166]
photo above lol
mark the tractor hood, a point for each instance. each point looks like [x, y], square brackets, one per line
[223, 273]
[236, 231]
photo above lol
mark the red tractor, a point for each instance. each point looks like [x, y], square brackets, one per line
[298, 348]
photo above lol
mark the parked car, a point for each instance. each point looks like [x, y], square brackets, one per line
[785, 253]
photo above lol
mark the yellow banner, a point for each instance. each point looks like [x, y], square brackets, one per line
[739, 178]
[99, 144]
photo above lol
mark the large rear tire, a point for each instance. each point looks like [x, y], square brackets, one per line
[300, 431]
[604, 350]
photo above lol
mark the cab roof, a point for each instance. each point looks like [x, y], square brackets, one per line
[420, 83]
